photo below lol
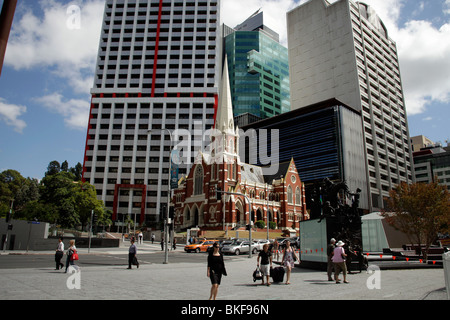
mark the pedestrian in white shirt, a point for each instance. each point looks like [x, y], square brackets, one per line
[59, 254]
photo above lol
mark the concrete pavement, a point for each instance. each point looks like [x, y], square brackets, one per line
[188, 282]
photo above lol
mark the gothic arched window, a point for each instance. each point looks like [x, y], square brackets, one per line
[198, 180]
[289, 194]
[298, 199]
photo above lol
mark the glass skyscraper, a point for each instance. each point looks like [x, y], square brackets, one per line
[259, 70]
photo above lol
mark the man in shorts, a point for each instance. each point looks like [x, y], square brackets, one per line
[266, 262]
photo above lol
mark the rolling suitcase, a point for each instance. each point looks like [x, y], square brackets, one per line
[277, 274]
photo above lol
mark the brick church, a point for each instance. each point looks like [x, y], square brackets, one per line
[278, 198]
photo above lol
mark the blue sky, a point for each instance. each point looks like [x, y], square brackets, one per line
[50, 60]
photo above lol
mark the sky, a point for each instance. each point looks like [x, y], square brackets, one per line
[52, 50]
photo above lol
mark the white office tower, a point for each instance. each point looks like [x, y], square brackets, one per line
[342, 50]
[158, 69]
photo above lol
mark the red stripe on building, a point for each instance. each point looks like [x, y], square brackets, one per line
[87, 140]
[155, 62]
[216, 106]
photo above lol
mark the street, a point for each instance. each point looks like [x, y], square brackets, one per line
[43, 260]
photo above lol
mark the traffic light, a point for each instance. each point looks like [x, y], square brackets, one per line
[172, 212]
[218, 194]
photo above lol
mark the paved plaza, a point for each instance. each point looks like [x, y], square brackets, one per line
[188, 282]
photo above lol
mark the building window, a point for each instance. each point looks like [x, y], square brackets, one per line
[298, 200]
[289, 194]
[198, 180]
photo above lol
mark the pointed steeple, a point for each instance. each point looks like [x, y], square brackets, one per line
[224, 119]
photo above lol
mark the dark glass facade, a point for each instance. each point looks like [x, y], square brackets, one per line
[311, 138]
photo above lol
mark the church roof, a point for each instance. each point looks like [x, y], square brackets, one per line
[283, 169]
[251, 173]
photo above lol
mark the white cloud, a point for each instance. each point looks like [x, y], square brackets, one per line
[74, 111]
[47, 41]
[447, 7]
[71, 53]
[424, 52]
[10, 113]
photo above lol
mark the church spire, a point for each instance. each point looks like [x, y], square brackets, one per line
[224, 119]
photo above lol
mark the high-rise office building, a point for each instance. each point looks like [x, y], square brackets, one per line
[342, 50]
[431, 161]
[158, 69]
[258, 67]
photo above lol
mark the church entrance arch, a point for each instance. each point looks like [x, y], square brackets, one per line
[240, 214]
[195, 214]
[259, 215]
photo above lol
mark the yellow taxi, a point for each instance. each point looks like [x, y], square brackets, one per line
[200, 246]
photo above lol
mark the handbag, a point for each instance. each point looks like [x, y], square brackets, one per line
[74, 256]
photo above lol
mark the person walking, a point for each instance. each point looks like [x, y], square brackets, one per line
[339, 262]
[132, 251]
[72, 249]
[289, 258]
[215, 269]
[153, 238]
[59, 254]
[266, 263]
[174, 243]
[275, 248]
[330, 264]
[141, 236]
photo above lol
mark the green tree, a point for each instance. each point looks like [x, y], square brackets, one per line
[59, 190]
[77, 171]
[11, 184]
[41, 211]
[53, 168]
[65, 166]
[420, 210]
[85, 201]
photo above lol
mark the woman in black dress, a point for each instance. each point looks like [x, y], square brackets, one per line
[215, 269]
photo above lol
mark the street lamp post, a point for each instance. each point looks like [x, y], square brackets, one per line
[166, 231]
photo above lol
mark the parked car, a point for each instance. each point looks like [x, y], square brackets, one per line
[282, 243]
[201, 246]
[239, 246]
[224, 243]
[295, 242]
[260, 244]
